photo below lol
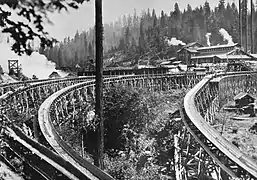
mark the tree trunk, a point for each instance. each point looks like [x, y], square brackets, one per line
[99, 80]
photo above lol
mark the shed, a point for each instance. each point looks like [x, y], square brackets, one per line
[54, 75]
[243, 99]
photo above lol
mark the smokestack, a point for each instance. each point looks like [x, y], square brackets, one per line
[243, 25]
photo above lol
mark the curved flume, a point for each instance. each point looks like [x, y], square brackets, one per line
[21, 97]
[5, 87]
[195, 114]
[52, 109]
[197, 105]
[19, 100]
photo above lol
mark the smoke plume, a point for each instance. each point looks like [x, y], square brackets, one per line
[226, 36]
[208, 39]
[173, 41]
[35, 64]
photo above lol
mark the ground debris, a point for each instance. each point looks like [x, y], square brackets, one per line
[253, 129]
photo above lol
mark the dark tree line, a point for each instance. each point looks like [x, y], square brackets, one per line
[72, 51]
[137, 36]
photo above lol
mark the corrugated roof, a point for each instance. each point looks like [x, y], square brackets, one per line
[224, 56]
[217, 46]
[204, 56]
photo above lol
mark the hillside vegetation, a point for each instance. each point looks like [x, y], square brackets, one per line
[139, 130]
[150, 36]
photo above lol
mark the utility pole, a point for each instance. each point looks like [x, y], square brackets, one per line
[240, 24]
[99, 81]
[251, 27]
[245, 24]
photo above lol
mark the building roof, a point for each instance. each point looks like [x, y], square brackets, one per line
[176, 62]
[187, 46]
[171, 66]
[241, 95]
[144, 66]
[191, 44]
[225, 56]
[165, 63]
[199, 68]
[117, 68]
[54, 75]
[218, 46]
[203, 56]
[254, 55]
[192, 50]
[172, 58]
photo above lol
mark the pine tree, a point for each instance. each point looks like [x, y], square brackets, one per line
[1, 70]
[60, 58]
[133, 45]
[76, 38]
[125, 23]
[121, 44]
[207, 14]
[76, 59]
[221, 7]
[163, 20]
[85, 47]
[135, 19]
[207, 9]
[90, 50]
[129, 21]
[176, 12]
[127, 40]
[255, 45]
[154, 19]
[142, 37]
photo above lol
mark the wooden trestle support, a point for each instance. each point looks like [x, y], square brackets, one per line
[22, 104]
[200, 151]
[77, 101]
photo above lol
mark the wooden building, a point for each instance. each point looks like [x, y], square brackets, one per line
[187, 51]
[218, 49]
[196, 54]
[243, 99]
[54, 75]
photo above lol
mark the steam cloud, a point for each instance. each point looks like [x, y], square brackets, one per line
[173, 41]
[208, 39]
[35, 64]
[226, 36]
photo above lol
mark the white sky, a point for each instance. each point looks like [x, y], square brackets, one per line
[66, 24]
